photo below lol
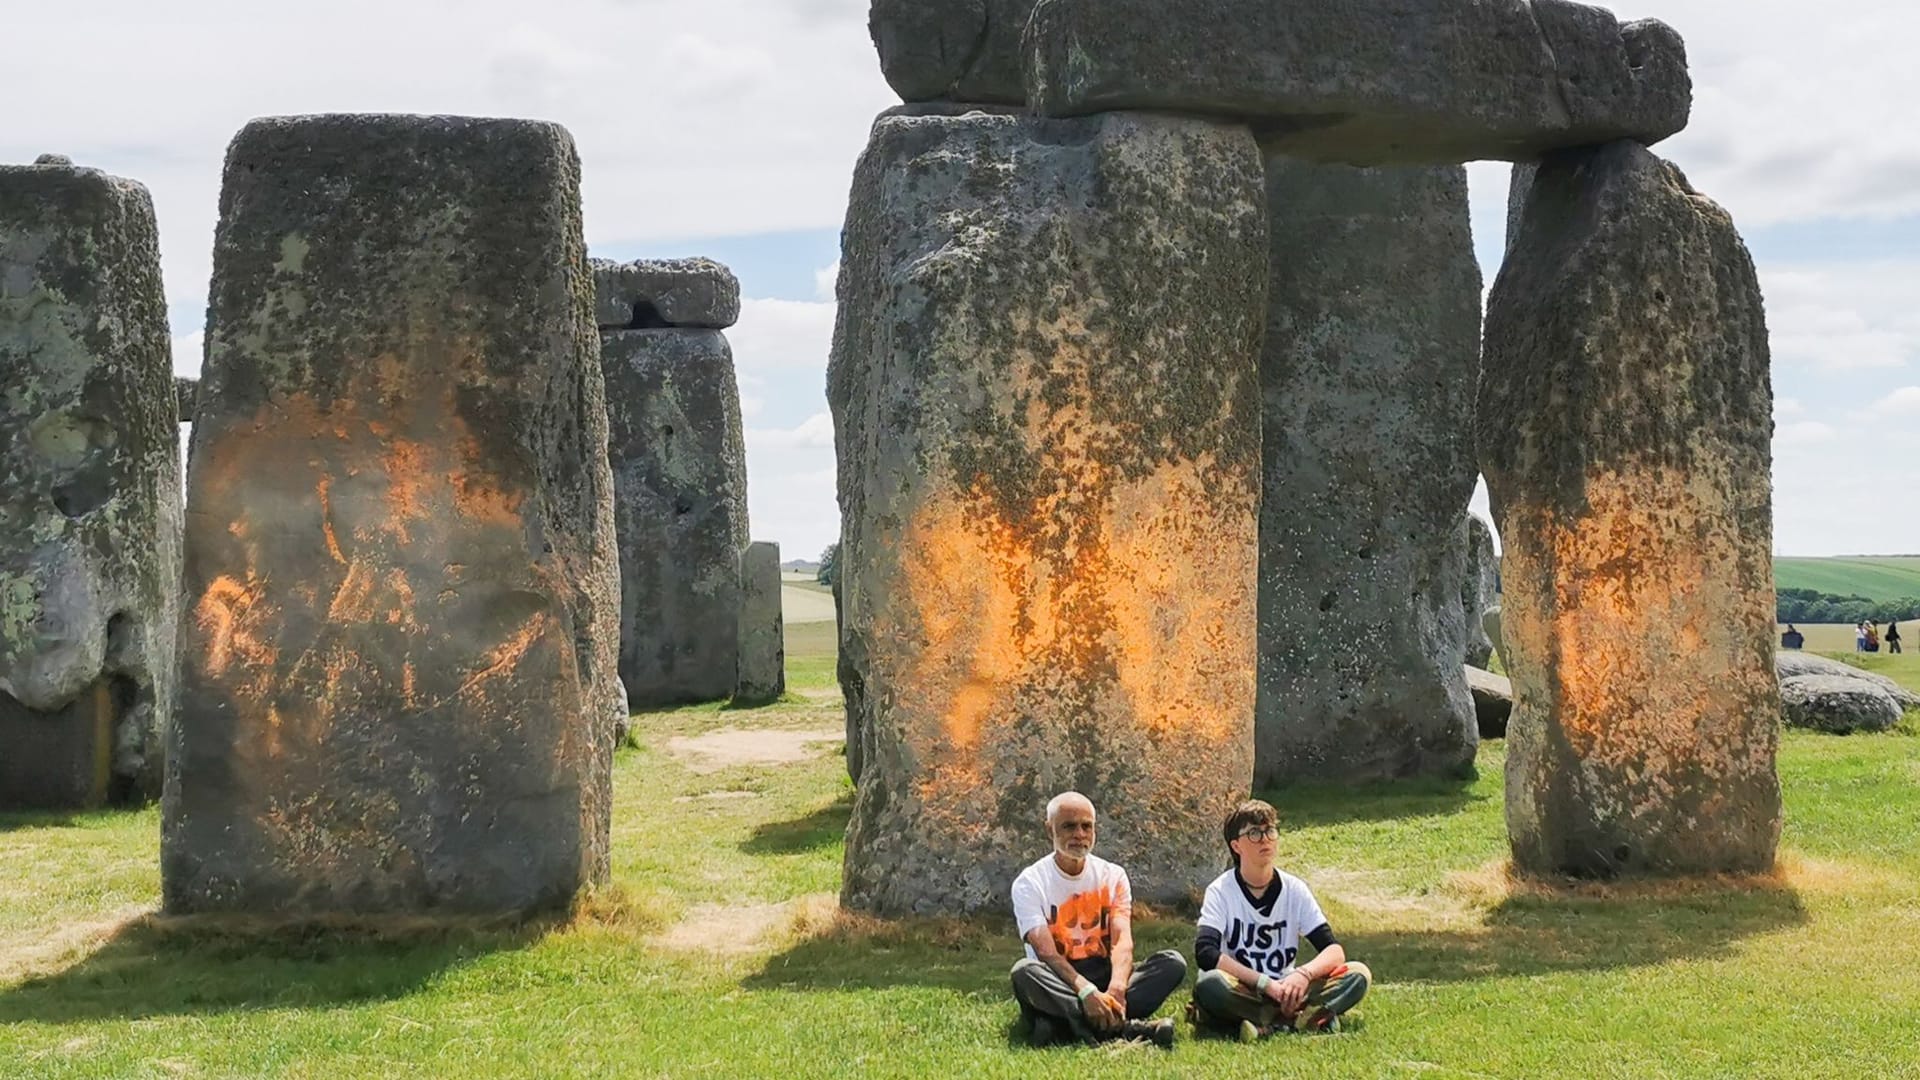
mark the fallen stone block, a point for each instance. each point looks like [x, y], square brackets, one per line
[1046, 408]
[1788, 664]
[398, 683]
[1492, 701]
[89, 490]
[1625, 434]
[763, 652]
[1372, 347]
[1837, 704]
[680, 505]
[1369, 82]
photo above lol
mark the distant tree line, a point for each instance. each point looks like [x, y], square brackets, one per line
[829, 564]
[1813, 606]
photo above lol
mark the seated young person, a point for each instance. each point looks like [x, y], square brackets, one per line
[1251, 924]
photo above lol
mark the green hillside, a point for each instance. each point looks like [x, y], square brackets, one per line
[1883, 578]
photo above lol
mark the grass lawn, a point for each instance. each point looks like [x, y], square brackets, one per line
[717, 950]
[1889, 577]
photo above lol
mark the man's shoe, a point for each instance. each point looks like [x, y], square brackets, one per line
[1317, 1020]
[1157, 1032]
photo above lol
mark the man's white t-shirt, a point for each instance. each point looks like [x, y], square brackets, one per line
[1266, 941]
[1078, 910]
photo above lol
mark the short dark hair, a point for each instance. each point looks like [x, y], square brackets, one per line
[1249, 813]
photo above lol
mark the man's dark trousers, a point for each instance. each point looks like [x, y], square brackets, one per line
[1039, 990]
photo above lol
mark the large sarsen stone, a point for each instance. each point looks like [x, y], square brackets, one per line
[89, 490]
[1626, 423]
[680, 504]
[1045, 397]
[1373, 341]
[399, 684]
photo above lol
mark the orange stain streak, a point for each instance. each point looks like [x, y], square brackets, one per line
[326, 519]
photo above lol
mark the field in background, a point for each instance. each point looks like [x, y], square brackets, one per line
[718, 951]
[1887, 578]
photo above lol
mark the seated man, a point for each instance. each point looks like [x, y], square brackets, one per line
[1251, 923]
[1076, 913]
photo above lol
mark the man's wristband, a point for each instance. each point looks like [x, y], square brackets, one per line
[1086, 989]
[1261, 986]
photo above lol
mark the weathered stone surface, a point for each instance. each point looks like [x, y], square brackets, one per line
[399, 684]
[1492, 701]
[680, 503]
[89, 490]
[1625, 433]
[1837, 704]
[763, 650]
[1480, 593]
[1045, 403]
[1369, 81]
[1787, 664]
[186, 392]
[957, 50]
[655, 294]
[1373, 339]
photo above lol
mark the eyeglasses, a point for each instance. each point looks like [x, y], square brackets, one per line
[1259, 832]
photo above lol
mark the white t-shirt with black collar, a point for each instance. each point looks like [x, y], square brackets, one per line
[1261, 931]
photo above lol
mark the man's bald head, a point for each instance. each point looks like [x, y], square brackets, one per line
[1062, 801]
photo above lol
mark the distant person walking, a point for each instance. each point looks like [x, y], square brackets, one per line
[1893, 637]
[1859, 637]
[1873, 638]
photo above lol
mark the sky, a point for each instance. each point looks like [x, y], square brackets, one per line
[729, 128]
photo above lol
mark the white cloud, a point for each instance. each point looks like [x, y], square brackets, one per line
[1785, 408]
[1902, 402]
[187, 351]
[814, 432]
[1842, 316]
[783, 334]
[824, 281]
[1804, 433]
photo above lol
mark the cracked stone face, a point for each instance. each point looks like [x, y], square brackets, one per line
[89, 490]
[1046, 414]
[1625, 432]
[398, 669]
[1367, 381]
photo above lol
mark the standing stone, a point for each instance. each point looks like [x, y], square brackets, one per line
[763, 651]
[1369, 82]
[186, 391]
[1480, 591]
[1373, 332]
[1490, 626]
[679, 484]
[952, 50]
[399, 670]
[1046, 407]
[1626, 426]
[89, 490]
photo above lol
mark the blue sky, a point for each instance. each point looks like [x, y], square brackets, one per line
[729, 128]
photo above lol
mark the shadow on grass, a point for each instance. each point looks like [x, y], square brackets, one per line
[1542, 931]
[147, 969]
[822, 828]
[1537, 931]
[1313, 805]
